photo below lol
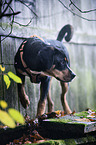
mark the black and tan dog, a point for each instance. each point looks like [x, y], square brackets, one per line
[40, 59]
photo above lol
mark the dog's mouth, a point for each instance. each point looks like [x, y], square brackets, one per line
[69, 75]
[67, 78]
[66, 75]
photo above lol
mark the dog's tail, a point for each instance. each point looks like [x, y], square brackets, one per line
[66, 32]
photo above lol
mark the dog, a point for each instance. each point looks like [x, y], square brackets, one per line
[42, 59]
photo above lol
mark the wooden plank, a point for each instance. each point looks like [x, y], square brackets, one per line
[7, 135]
[68, 126]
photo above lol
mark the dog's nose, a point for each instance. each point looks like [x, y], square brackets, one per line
[73, 75]
[71, 72]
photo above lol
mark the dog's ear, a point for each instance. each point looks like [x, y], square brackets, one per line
[46, 58]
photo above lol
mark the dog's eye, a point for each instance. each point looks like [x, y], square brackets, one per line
[66, 59]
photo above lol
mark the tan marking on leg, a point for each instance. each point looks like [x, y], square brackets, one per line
[64, 102]
[41, 107]
[50, 102]
[41, 104]
[23, 97]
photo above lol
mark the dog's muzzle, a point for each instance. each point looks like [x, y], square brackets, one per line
[69, 75]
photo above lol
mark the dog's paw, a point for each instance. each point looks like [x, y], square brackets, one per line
[25, 101]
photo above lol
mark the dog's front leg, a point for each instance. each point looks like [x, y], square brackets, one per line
[64, 102]
[21, 91]
[50, 102]
[44, 88]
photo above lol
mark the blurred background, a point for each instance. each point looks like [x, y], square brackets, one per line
[19, 19]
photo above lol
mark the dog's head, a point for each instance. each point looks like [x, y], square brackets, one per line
[56, 63]
[60, 68]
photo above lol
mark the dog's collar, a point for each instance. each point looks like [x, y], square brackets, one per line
[28, 71]
[21, 54]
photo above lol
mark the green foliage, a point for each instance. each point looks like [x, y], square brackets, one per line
[2, 68]
[14, 77]
[9, 75]
[6, 80]
[3, 104]
[9, 118]
[16, 115]
[6, 119]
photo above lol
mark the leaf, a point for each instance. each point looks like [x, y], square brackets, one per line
[14, 77]
[7, 81]
[83, 120]
[3, 104]
[2, 68]
[6, 119]
[58, 112]
[16, 115]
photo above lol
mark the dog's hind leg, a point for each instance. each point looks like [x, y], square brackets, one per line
[64, 102]
[44, 88]
[50, 102]
[21, 91]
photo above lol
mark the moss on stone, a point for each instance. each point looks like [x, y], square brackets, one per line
[70, 142]
[61, 120]
[82, 114]
[82, 140]
[51, 142]
[91, 138]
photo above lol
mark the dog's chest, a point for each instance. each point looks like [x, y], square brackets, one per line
[35, 77]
